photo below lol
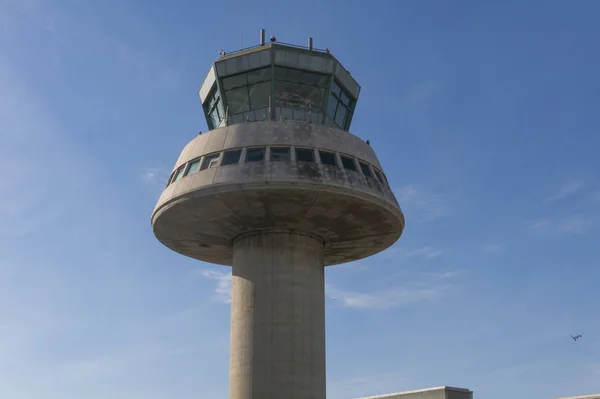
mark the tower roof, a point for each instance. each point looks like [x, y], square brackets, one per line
[276, 81]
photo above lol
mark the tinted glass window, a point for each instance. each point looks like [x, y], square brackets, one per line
[327, 158]
[260, 75]
[210, 161]
[237, 100]
[340, 116]
[259, 95]
[230, 157]
[234, 81]
[193, 167]
[179, 173]
[305, 155]
[379, 176]
[365, 169]
[255, 154]
[280, 153]
[348, 163]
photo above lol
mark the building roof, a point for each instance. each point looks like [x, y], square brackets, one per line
[592, 396]
[446, 388]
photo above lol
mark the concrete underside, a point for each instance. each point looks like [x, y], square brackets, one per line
[203, 224]
[277, 318]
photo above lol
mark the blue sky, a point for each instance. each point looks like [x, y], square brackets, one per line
[483, 114]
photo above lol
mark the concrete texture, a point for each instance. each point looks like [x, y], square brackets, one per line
[200, 215]
[443, 392]
[277, 318]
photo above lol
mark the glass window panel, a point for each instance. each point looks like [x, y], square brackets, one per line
[315, 79]
[231, 66]
[305, 155]
[249, 116]
[340, 116]
[194, 165]
[259, 95]
[262, 114]
[299, 115]
[221, 68]
[280, 154]
[291, 58]
[335, 89]
[312, 96]
[378, 175]
[237, 118]
[254, 60]
[179, 173]
[316, 117]
[298, 96]
[288, 75]
[327, 158]
[286, 94]
[304, 61]
[345, 99]
[279, 57]
[210, 161]
[332, 105]
[286, 113]
[316, 62]
[234, 81]
[255, 154]
[259, 75]
[327, 65]
[265, 57]
[243, 64]
[231, 157]
[365, 169]
[348, 163]
[214, 118]
[238, 100]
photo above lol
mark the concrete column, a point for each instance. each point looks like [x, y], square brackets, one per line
[277, 318]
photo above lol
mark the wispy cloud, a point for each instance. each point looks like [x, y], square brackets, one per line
[429, 287]
[566, 190]
[222, 291]
[572, 224]
[426, 252]
[158, 176]
[421, 204]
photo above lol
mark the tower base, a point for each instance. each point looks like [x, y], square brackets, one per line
[277, 317]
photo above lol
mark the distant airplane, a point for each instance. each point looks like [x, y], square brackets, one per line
[576, 337]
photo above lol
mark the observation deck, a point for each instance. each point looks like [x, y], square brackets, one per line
[274, 81]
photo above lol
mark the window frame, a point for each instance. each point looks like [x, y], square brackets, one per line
[335, 161]
[275, 151]
[224, 161]
[305, 150]
[351, 159]
[208, 159]
[250, 149]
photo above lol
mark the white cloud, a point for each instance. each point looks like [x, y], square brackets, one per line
[426, 252]
[421, 205]
[567, 190]
[429, 287]
[222, 292]
[158, 176]
[572, 224]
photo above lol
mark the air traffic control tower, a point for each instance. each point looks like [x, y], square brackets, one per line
[278, 189]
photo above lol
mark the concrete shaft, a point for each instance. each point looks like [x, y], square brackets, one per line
[277, 317]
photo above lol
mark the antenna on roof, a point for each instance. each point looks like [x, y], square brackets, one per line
[262, 37]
